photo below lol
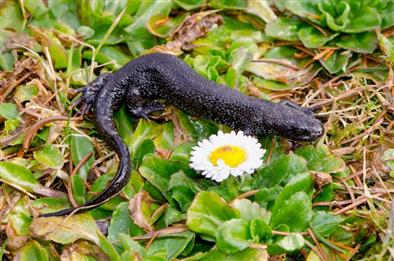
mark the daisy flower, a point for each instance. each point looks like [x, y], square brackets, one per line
[227, 154]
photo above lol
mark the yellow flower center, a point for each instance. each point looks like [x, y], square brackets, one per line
[233, 156]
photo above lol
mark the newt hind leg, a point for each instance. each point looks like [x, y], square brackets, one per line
[90, 91]
[140, 107]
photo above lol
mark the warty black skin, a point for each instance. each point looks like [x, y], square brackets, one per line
[150, 81]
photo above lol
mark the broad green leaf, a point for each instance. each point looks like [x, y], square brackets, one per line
[233, 236]
[80, 146]
[145, 130]
[114, 57]
[173, 245]
[337, 62]
[26, 92]
[6, 61]
[50, 156]
[11, 16]
[262, 9]
[49, 205]
[388, 158]
[57, 51]
[320, 159]
[35, 7]
[325, 223]
[65, 11]
[287, 244]
[270, 84]
[284, 29]
[228, 4]
[74, 59]
[32, 251]
[67, 230]
[361, 42]
[303, 8]
[207, 212]
[245, 255]
[18, 176]
[260, 231]
[124, 123]
[165, 29]
[121, 222]
[280, 171]
[78, 189]
[158, 171]
[189, 4]
[387, 47]
[364, 19]
[138, 37]
[266, 197]
[20, 218]
[296, 213]
[9, 111]
[251, 210]
[313, 38]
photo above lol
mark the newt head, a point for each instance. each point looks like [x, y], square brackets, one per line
[295, 122]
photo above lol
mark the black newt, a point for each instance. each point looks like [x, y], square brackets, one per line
[149, 82]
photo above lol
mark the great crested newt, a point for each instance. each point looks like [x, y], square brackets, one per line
[146, 84]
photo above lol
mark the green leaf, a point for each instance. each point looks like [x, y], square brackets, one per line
[262, 9]
[25, 92]
[158, 171]
[121, 222]
[388, 158]
[337, 62]
[207, 212]
[303, 8]
[251, 210]
[287, 244]
[138, 37]
[325, 223]
[18, 176]
[260, 231]
[313, 38]
[6, 61]
[124, 123]
[284, 29]
[80, 146]
[165, 29]
[173, 245]
[364, 19]
[189, 4]
[35, 7]
[57, 51]
[11, 16]
[233, 236]
[245, 255]
[280, 171]
[67, 230]
[32, 251]
[228, 4]
[50, 156]
[296, 213]
[110, 55]
[9, 111]
[78, 189]
[320, 159]
[362, 42]
[387, 47]
[49, 205]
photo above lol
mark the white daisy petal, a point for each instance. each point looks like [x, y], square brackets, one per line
[227, 154]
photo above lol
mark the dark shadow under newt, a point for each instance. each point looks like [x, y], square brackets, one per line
[149, 82]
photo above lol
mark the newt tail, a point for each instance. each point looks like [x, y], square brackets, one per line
[106, 125]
